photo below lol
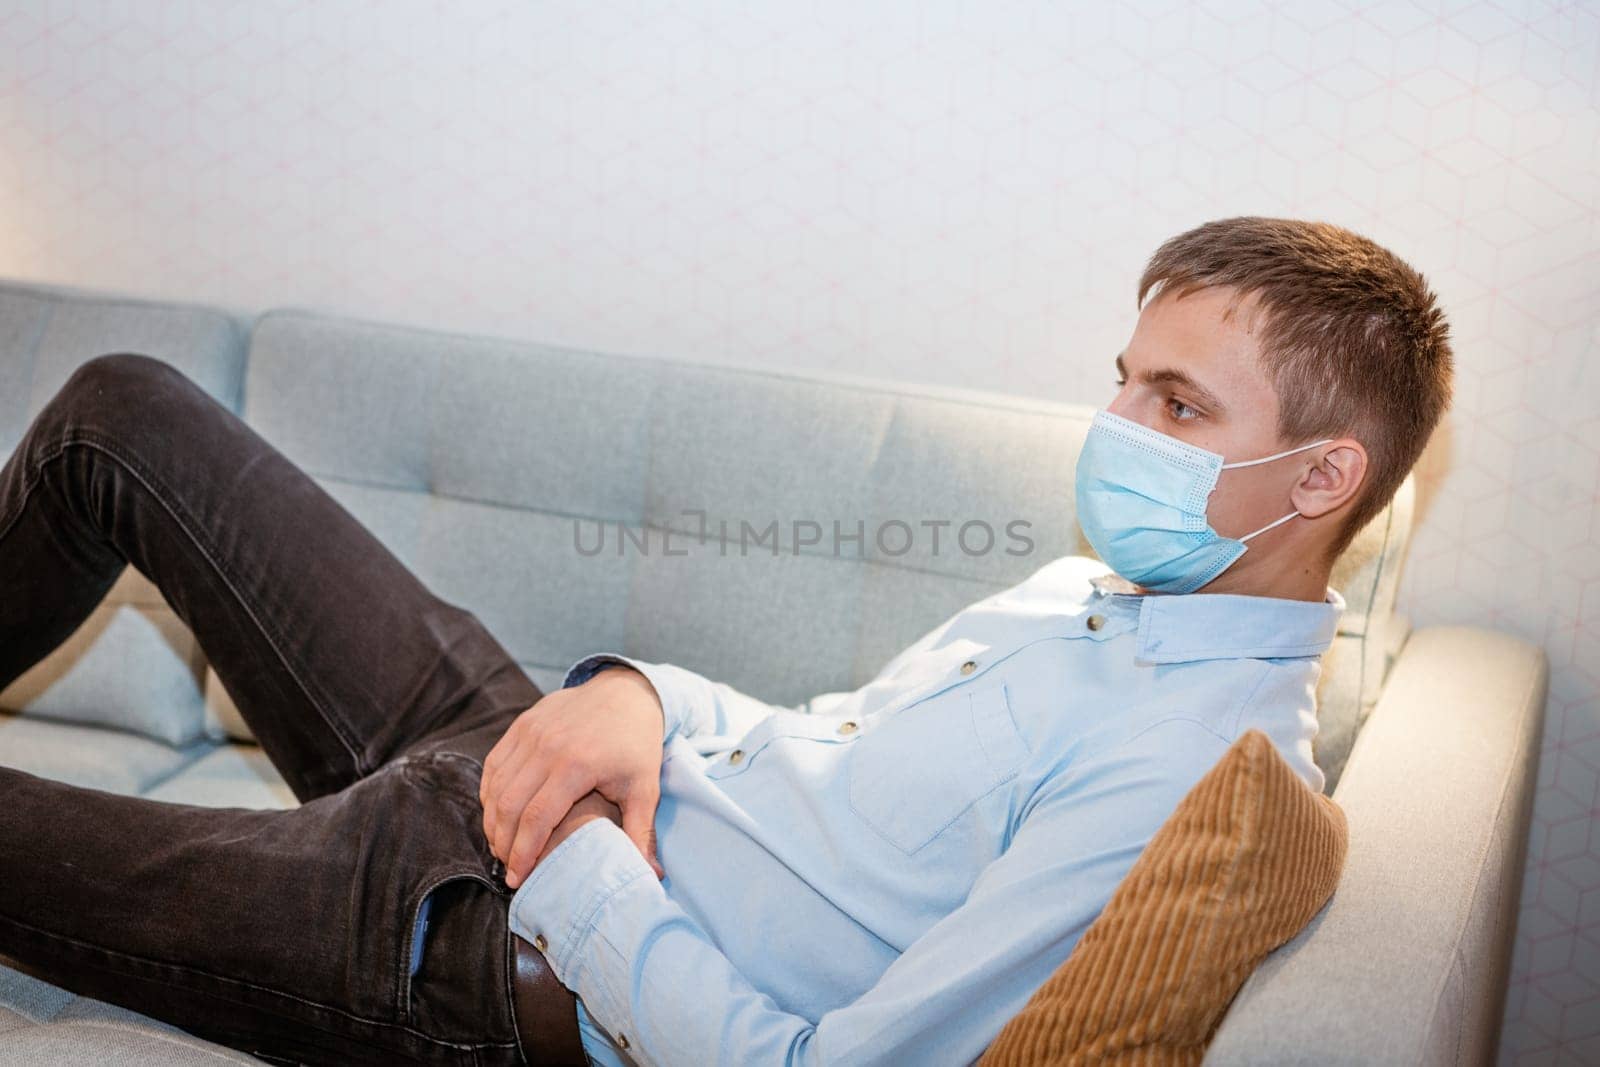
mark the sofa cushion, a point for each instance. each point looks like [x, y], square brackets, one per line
[41, 1023]
[480, 462]
[1246, 859]
[229, 776]
[132, 664]
[95, 756]
[47, 331]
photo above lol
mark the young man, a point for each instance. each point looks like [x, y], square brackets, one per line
[880, 876]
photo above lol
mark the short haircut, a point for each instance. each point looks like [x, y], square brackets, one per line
[1351, 338]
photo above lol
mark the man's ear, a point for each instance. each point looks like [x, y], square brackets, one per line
[1335, 479]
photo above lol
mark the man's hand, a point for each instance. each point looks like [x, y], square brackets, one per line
[589, 807]
[604, 736]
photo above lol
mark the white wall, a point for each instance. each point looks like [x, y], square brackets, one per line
[958, 193]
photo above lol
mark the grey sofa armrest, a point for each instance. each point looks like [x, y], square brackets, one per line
[1408, 962]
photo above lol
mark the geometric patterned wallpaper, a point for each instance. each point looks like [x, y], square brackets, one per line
[949, 193]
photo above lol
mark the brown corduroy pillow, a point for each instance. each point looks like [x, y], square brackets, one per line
[1246, 859]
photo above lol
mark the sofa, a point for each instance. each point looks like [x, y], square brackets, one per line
[493, 467]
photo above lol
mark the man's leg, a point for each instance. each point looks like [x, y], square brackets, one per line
[336, 655]
[286, 934]
[339, 659]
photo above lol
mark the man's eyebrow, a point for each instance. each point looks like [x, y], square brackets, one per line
[1178, 377]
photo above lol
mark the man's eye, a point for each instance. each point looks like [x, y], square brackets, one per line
[1176, 404]
[1121, 382]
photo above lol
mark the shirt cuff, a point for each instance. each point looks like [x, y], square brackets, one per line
[561, 904]
[674, 702]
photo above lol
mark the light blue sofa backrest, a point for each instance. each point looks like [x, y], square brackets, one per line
[494, 468]
[47, 331]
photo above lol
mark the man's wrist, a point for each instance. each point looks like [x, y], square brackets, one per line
[663, 690]
[636, 680]
[565, 829]
[563, 895]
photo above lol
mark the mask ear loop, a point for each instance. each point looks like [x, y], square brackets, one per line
[1266, 459]
[1276, 455]
[1270, 525]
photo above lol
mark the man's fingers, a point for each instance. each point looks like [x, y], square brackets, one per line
[639, 822]
[504, 752]
[510, 798]
[547, 808]
[661, 872]
[495, 768]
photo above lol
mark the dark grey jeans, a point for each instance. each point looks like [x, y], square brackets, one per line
[286, 934]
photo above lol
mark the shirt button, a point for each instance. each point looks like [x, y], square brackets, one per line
[736, 755]
[969, 666]
[1096, 621]
[622, 1041]
[847, 728]
[540, 943]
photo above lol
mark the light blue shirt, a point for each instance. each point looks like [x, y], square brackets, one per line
[886, 876]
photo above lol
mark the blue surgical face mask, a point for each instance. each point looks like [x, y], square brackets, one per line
[1141, 498]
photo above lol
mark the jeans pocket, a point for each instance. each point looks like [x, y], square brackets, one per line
[437, 948]
[437, 945]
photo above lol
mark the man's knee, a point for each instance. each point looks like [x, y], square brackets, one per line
[112, 392]
[116, 374]
[126, 397]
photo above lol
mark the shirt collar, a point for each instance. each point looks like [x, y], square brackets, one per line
[1176, 628]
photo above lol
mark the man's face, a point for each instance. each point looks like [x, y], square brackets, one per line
[1190, 373]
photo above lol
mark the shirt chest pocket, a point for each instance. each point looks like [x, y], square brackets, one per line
[916, 771]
